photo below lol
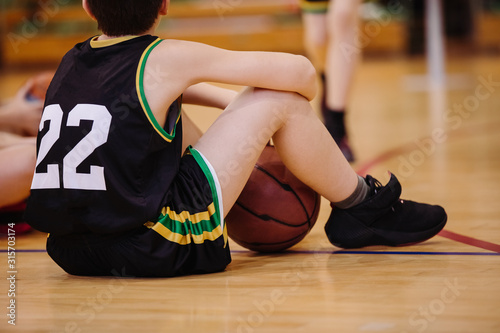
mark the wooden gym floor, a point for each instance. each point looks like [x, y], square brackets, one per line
[445, 148]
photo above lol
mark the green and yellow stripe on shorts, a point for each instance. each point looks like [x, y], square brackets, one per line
[186, 227]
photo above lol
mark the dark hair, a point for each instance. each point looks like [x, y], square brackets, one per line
[124, 17]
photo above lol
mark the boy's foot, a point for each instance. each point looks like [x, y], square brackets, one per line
[384, 219]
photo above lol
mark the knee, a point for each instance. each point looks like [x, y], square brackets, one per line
[280, 104]
[282, 100]
[288, 105]
[280, 95]
[342, 19]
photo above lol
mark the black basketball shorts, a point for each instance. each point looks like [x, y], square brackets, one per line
[189, 237]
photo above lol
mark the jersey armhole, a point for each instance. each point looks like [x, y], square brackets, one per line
[142, 96]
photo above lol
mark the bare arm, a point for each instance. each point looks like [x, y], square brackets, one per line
[180, 65]
[208, 95]
[197, 63]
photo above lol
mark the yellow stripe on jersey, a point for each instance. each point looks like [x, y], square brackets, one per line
[95, 43]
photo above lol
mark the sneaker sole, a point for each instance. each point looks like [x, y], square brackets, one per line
[366, 236]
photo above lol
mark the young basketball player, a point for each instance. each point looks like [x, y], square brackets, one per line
[114, 189]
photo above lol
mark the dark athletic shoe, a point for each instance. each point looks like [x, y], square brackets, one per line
[384, 219]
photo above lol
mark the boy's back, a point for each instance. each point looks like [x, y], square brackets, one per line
[105, 162]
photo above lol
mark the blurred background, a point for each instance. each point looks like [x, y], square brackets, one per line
[37, 33]
[394, 38]
[394, 112]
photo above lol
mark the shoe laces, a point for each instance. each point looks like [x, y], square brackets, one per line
[374, 184]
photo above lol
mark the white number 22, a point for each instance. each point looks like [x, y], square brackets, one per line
[98, 135]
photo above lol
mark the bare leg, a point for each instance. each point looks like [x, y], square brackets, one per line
[9, 139]
[315, 38]
[236, 139]
[17, 164]
[190, 132]
[342, 22]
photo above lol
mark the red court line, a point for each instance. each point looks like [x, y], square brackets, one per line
[363, 169]
[470, 241]
[411, 146]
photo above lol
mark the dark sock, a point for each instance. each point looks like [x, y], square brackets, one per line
[323, 92]
[334, 122]
[358, 196]
[333, 119]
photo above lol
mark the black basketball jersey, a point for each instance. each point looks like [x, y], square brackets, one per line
[104, 164]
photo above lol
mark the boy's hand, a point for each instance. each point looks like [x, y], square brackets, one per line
[21, 115]
[29, 110]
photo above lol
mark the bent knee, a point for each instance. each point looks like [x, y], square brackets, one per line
[279, 95]
[286, 105]
[275, 101]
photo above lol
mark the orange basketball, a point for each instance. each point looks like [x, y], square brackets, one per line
[275, 209]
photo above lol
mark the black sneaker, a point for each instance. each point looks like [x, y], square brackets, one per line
[384, 219]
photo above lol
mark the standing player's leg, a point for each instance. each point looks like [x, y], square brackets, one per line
[315, 38]
[314, 20]
[341, 61]
[343, 50]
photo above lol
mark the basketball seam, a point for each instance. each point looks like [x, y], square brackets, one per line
[289, 189]
[267, 217]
